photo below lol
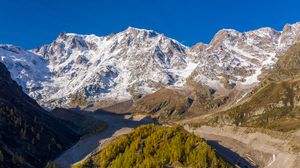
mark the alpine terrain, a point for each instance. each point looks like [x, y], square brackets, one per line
[240, 93]
[80, 70]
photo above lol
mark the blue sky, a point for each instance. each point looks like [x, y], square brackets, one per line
[31, 23]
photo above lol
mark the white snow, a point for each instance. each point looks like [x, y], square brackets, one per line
[182, 74]
[107, 67]
[253, 78]
[188, 70]
[132, 58]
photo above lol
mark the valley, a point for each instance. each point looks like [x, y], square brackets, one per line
[244, 147]
[139, 98]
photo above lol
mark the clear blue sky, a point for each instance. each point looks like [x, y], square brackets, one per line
[31, 23]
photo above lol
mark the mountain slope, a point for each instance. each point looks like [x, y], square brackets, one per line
[171, 104]
[275, 103]
[238, 58]
[107, 67]
[29, 136]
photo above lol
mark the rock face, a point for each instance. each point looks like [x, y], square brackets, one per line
[75, 70]
[239, 57]
[29, 135]
[99, 67]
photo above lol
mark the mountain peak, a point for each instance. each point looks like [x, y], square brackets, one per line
[222, 35]
[295, 25]
[143, 32]
[11, 48]
[63, 36]
[135, 29]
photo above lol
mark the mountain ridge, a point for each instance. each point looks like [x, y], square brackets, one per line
[78, 70]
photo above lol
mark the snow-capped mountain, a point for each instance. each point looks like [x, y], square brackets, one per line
[137, 61]
[237, 59]
[100, 68]
[26, 68]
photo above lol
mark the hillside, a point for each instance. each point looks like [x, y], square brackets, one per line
[170, 104]
[156, 146]
[274, 104]
[29, 135]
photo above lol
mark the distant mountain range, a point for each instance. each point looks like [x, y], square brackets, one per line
[82, 70]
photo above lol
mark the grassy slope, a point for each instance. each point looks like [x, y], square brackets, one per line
[165, 103]
[272, 107]
[175, 104]
[156, 146]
